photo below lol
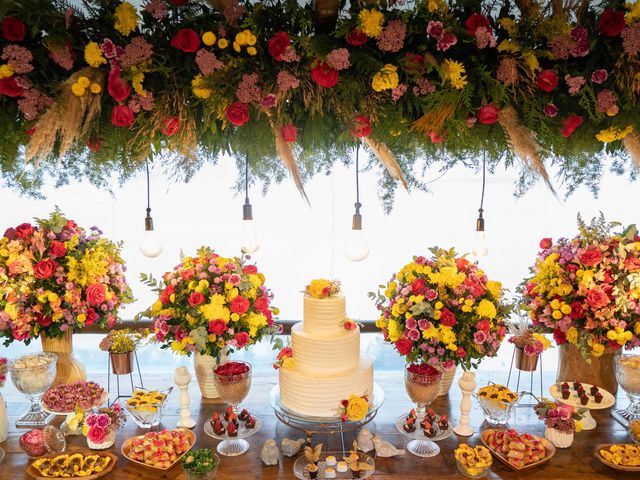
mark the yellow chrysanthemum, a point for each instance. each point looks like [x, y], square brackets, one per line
[371, 22]
[136, 82]
[454, 71]
[208, 38]
[613, 134]
[198, 89]
[572, 336]
[486, 309]
[216, 309]
[494, 288]
[393, 330]
[126, 18]
[6, 71]
[633, 13]
[256, 321]
[93, 55]
[386, 78]
[223, 43]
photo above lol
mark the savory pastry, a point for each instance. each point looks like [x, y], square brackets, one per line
[625, 455]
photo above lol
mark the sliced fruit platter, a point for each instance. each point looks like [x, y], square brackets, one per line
[74, 464]
[63, 399]
[159, 450]
[520, 451]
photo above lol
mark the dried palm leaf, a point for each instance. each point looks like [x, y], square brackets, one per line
[387, 158]
[433, 120]
[523, 142]
[220, 5]
[285, 151]
[632, 144]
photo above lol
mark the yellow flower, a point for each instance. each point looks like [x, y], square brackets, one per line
[393, 330]
[572, 336]
[508, 46]
[633, 13]
[256, 321]
[447, 277]
[439, 305]
[386, 78]
[509, 25]
[241, 38]
[532, 61]
[95, 88]
[357, 408]
[318, 288]
[208, 38]
[78, 90]
[597, 349]
[177, 346]
[223, 43]
[579, 426]
[370, 22]
[486, 309]
[93, 55]
[136, 81]
[251, 39]
[447, 335]
[236, 47]
[215, 309]
[6, 71]
[288, 363]
[252, 51]
[197, 88]
[431, 332]
[84, 81]
[613, 133]
[494, 288]
[126, 18]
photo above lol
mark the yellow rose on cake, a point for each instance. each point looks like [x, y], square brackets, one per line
[355, 408]
[322, 288]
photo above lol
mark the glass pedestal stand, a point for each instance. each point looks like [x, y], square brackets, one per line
[317, 425]
[233, 446]
[421, 445]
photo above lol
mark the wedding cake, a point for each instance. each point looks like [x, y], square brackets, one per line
[323, 373]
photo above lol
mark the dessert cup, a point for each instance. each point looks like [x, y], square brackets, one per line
[32, 375]
[628, 376]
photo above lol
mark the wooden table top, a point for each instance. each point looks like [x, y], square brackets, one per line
[576, 462]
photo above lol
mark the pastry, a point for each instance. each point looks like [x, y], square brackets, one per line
[428, 429]
[330, 473]
[565, 386]
[473, 460]
[409, 427]
[565, 394]
[313, 470]
[443, 423]
[218, 428]
[330, 461]
[250, 423]
[581, 391]
[626, 455]
[244, 415]
[594, 389]
[597, 397]
[499, 394]
[158, 449]
[431, 416]
[576, 385]
[232, 429]
[342, 467]
[584, 399]
[215, 417]
[412, 413]
[229, 413]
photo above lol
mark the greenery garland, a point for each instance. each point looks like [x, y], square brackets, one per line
[93, 92]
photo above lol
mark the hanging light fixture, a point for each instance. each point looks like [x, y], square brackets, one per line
[150, 246]
[249, 241]
[356, 248]
[480, 248]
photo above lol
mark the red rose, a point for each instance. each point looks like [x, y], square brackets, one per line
[92, 316]
[611, 23]
[241, 338]
[45, 269]
[179, 3]
[362, 126]
[484, 325]
[289, 133]
[418, 286]
[187, 274]
[24, 230]
[488, 114]
[597, 298]
[217, 326]
[461, 352]
[13, 30]
[577, 312]
[122, 116]
[57, 249]
[117, 86]
[96, 294]
[250, 269]
[559, 336]
[10, 88]
[476, 21]
[95, 145]
[10, 233]
[324, 75]
[547, 80]
[196, 298]
[545, 243]
[170, 125]
[186, 40]
[570, 124]
[261, 304]
[447, 318]
[632, 264]
[590, 257]
[404, 346]
[278, 44]
[239, 305]
[237, 113]
[357, 38]
[44, 320]
[165, 296]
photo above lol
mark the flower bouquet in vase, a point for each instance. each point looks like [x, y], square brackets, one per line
[100, 427]
[585, 291]
[121, 345]
[561, 421]
[57, 278]
[528, 343]
[210, 305]
[442, 310]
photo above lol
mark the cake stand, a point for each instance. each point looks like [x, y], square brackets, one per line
[233, 446]
[588, 422]
[421, 445]
[323, 425]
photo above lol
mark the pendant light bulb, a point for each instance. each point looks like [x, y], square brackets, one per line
[357, 247]
[150, 246]
[249, 240]
[480, 247]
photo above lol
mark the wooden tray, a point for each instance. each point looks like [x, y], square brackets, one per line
[624, 468]
[33, 473]
[550, 450]
[126, 448]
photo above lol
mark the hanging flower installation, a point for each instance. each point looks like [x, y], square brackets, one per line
[437, 82]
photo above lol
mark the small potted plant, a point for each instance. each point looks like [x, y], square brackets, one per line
[528, 343]
[100, 427]
[201, 464]
[121, 344]
[561, 421]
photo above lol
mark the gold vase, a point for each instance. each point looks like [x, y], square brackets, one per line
[447, 380]
[69, 370]
[524, 362]
[121, 363]
[600, 371]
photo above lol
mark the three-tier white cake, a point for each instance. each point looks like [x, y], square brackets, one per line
[328, 367]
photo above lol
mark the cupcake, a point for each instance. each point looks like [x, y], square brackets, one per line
[313, 470]
[342, 467]
[598, 397]
[584, 399]
[565, 386]
[330, 473]
[594, 389]
[576, 385]
[565, 394]
[581, 391]
[330, 461]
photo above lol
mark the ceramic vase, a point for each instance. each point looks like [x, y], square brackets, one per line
[447, 381]
[108, 442]
[558, 438]
[4, 420]
[69, 369]
[598, 371]
[204, 366]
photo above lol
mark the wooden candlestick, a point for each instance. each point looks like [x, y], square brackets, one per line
[182, 380]
[467, 384]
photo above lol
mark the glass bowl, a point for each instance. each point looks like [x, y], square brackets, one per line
[482, 472]
[496, 412]
[233, 387]
[39, 442]
[628, 376]
[148, 414]
[634, 430]
[189, 475]
[33, 374]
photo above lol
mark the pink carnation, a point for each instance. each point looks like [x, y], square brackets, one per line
[157, 9]
[392, 37]
[109, 49]
[606, 100]
[339, 59]
[267, 102]
[574, 83]
[398, 92]
[484, 38]
[580, 36]
[18, 57]
[631, 39]
[208, 62]
[286, 81]
[248, 90]
[435, 28]
[550, 110]
[446, 41]
[599, 76]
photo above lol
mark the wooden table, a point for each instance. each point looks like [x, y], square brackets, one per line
[576, 462]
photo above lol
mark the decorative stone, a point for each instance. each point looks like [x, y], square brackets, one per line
[365, 440]
[385, 449]
[291, 447]
[270, 454]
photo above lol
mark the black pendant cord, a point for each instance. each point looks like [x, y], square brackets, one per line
[484, 176]
[358, 204]
[148, 190]
[246, 179]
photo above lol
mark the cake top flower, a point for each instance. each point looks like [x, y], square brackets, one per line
[322, 288]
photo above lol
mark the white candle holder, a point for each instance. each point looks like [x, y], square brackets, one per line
[467, 383]
[182, 379]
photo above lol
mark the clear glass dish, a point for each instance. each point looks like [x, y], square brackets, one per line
[465, 471]
[496, 412]
[32, 375]
[150, 414]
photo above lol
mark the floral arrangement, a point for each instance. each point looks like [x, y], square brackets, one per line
[442, 310]
[56, 276]
[354, 408]
[200, 461]
[585, 290]
[209, 303]
[98, 426]
[435, 80]
[3, 371]
[532, 343]
[349, 324]
[564, 418]
[284, 359]
[124, 340]
[321, 288]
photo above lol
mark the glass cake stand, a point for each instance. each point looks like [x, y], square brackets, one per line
[323, 425]
[421, 445]
[233, 446]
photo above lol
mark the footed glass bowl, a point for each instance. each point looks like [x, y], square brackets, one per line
[496, 412]
[148, 415]
[465, 471]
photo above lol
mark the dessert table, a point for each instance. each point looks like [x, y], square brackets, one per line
[577, 462]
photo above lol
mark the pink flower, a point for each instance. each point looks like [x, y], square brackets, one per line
[137, 52]
[507, 71]
[414, 335]
[423, 87]
[248, 90]
[461, 352]
[286, 81]
[339, 59]
[269, 101]
[97, 434]
[108, 48]
[550, 110]
[449, 364]
[208, 62]
[435, 28]
[599, 76]
[398, 92]
[574, 83]
[424, 324]
[565, 412]
[606, 100]
[631, 39]
[430, 294]
[91, 420]
[18, 57]
[480, 337]
[411, 323]
[392, 37]
[103, 420]
[446, 41]
[157, 9]
[485, 38]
